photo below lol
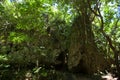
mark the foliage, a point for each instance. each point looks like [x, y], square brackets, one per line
[40, 30]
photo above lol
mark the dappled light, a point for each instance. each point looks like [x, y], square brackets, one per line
[59, 40]
[109, 76]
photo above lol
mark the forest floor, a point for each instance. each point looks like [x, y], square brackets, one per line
[21, 75]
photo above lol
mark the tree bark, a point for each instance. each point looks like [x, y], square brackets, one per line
[83, 52]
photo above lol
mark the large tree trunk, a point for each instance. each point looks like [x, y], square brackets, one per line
[83, 52]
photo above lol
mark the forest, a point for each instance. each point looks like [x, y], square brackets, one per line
[59, 40]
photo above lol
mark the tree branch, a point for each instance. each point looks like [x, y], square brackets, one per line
[93, 11]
